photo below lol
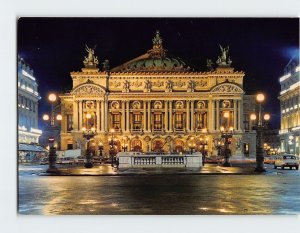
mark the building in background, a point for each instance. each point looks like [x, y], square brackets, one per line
[28, 97]
[249, 137]
[154, 102]
[290, 107]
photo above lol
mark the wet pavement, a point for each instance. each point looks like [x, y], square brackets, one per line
[275, 192]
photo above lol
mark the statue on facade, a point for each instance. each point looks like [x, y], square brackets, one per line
[169, 86]
[209, 64]
[148, 86]
[191, 86]
[91, 61]
[224, 59]
[126, 86]
[106, 65]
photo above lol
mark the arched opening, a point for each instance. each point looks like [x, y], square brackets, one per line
[157, 146]
[179, 146]
[136, 145]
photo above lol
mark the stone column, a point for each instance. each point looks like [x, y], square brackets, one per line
[234, 114]
[192, 116]
[102, 116]
[80, 116]
[123, 116]
[166, 115]
[75, 115]
[98, 115]
[127, 116]
[187, 127]
[218, 115]
[105, 115]
[209, 115]
[240, 114]
[149, 116]
[170, 116]
[144, 116]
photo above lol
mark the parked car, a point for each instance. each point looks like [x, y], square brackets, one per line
[287, 161]
[270, 159]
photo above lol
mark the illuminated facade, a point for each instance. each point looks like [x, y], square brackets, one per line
[154, 102]
[28, 98]
[290, 107]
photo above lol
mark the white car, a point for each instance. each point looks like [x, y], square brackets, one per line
[287, 161]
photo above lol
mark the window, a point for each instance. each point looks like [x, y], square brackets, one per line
[70, 146]
[116, 121]
[137, 121]
[69, 123]
[158, 121]
[179, 121]
[201, 121]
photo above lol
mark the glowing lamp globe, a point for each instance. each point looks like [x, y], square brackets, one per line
[52, 97]
[267, 117]
[88, 115]
[59, 117]
[46, 117]
[253, 117]
[260, 97]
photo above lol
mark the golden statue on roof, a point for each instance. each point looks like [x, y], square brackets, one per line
[91, 61]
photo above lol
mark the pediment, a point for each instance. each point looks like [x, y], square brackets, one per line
[227, 88]
[88, 89]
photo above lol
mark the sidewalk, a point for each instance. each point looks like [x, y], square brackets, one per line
[107, 170]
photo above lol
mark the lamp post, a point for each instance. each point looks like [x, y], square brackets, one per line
[192, 145]
[226, 134]
[124, 146]
[203, 144]
[100, 146]
[52, 150]
[112, 147]
[259, 127]
[88, 134]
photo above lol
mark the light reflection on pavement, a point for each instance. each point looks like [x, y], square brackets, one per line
[274, 193]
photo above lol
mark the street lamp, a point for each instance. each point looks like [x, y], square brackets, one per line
[203, 144]
[192, 145]
[259, 127]
[88, 134]
[226, 133]
[100, 149]
[52, 150]
[124, 146]
[112, 143]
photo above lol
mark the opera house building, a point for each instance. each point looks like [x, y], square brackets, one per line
[154, 102]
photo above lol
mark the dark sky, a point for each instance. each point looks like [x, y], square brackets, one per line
[54, 47]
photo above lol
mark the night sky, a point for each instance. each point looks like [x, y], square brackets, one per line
[54, 47]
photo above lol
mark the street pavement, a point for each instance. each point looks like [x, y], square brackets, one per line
[215, 190]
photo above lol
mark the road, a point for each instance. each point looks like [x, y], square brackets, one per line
[277, 192]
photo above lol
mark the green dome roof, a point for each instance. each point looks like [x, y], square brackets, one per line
[156, 59]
